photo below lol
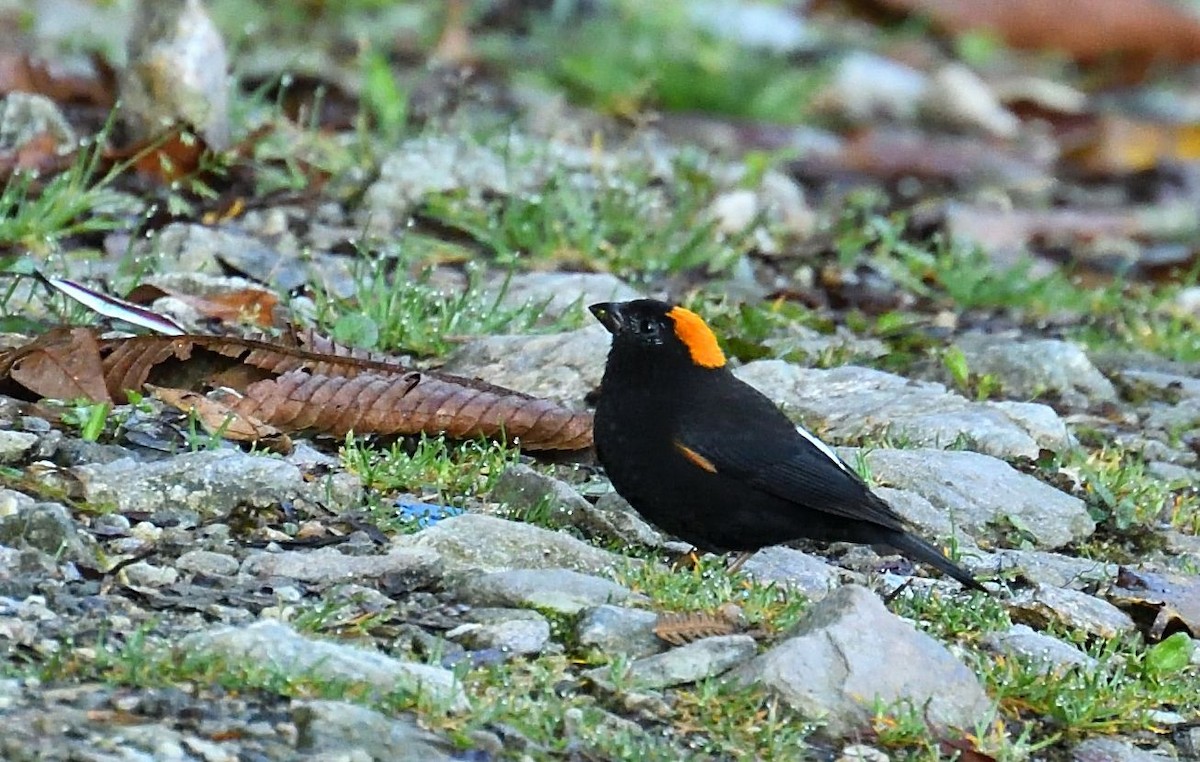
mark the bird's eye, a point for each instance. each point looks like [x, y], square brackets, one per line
[646, 326]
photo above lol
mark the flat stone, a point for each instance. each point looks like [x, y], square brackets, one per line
[984, 495]
[410, 567]
[211, 483]
[15, 445]
[1050, 655]
[207, 562]
[474, 542]
[559, 590]
[850, 652]
[514, 631]
[807, 575]
[690, 663]
[557, 294]
[12, 501]
[560, 366]
[49, 528]
[1115, 750]
[851, 403]
[1051, 569]
[275, 645]
[142, 574]
[1045, 605]
[521, 488]
[339, 726]
[617, 630]
[1029, 368]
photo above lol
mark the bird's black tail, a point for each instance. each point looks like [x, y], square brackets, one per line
[920, 550]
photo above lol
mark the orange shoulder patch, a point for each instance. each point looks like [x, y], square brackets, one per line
[694, 457]
[697, 337]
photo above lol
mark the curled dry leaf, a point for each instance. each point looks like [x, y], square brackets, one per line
[685, 627]
[1086, 30]
[255, 306]
[1159, 603]
[219, 417]
[64, 364]
[294, 389]
[414, 403]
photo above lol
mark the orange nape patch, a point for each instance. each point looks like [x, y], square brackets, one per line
[697, 337]
[694, 457]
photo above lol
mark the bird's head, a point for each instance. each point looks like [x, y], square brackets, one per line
[656, 329]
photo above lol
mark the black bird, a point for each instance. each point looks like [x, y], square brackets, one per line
[711, 460]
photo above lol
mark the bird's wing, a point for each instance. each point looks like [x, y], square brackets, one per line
[767, 452]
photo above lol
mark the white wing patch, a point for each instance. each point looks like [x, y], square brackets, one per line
[824, 448]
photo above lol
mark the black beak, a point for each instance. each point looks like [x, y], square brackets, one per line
[609, 315]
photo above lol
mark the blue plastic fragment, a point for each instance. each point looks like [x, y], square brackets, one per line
[425, 514]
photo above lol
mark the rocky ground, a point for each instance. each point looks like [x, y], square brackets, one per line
[166, 595]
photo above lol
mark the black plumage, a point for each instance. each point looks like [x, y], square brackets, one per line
[711, 460]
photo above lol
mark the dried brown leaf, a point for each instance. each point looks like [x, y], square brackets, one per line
[62, 365]
[219, 417]
[299, 390]
[681, 628]
[1086, 30]
[413, 404]
[255, 306]
[1160, 603]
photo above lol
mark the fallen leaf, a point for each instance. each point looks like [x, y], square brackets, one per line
[63, 364]
[295, 389]
[220, 418]
[1159, 603]
[1145, 31]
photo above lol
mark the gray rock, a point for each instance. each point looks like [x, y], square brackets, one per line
[852, 402]
[559, 590]
[474, 542]
[957, 96]
[1051, 655]
[557, 294]
[49, 528]
[754, 25]
[617, 630]
[808, 575]
[207, 562]
[1115, 750]
[686, 664]
[849, 652]
[12, 501]
[612, 516]
[405, 568]
[1027, 369]
[211, 483]
[557, 366]
[1051, 569]
[933, 522]
[276, 645]
[982, 494]
[521, 488]
[25, 116]
[142, 574]
[1168, 385]
[339, 726]
[177, 73]
[1043, 606]
[514, 631]
[15, 445]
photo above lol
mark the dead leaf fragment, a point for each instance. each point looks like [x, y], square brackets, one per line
[220, 418]
[681, 628]
[294, 389]
[1160, 603]
[63, 365]
[1087, 30]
